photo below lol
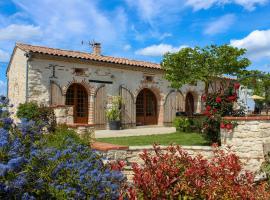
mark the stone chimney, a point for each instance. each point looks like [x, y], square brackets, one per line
[96, 48]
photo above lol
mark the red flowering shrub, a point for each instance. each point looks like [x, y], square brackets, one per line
[173, 174]
[218, 105]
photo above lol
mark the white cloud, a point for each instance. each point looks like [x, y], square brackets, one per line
[205, 4]
[156, 11]
[3, 87]
[257, 44]
[127, 47]
[220, 25]
[4, 56]
[158, 50]
[19, 32]
[65, 23]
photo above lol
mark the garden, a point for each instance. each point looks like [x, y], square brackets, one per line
[42, 160]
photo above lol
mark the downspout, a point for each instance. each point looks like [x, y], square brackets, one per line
[7, 86]
[28, 56]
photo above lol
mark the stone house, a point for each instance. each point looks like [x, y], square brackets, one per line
[80, 86]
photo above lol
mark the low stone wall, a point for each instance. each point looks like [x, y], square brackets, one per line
[249, 139]
[131, 155]
[63, 114]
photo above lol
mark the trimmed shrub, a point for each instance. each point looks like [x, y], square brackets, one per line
[182, 124]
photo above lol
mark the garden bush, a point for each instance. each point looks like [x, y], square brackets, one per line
[59, 137]
[31, 169]
[38, 113]
[196, 123]
[173, 174]
[218, 105]
[182, 124]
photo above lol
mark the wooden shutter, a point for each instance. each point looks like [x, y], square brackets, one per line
[174, 103]
[57, 97]
[128, 108]
[100, 99]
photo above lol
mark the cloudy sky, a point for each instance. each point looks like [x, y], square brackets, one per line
[137, 29]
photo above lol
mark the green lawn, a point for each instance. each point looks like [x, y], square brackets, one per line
[162, 139]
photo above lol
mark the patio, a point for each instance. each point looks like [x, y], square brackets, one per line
[138, 131]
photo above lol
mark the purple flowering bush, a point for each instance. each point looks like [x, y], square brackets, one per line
[30, 169]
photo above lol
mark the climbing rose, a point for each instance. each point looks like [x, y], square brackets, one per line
[233, 97]
[229, 126]
[208, 108]
[203, 98]
[222, 125]
[236, 86]
[218, 99]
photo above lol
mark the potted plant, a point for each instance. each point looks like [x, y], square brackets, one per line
[113, 113]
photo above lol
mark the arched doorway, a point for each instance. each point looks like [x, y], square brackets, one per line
[77, 97]
[189, 108]
[146, 108]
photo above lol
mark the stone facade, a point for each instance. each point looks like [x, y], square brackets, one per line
[46, 79]
[16, 77]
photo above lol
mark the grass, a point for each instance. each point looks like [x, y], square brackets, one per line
[162, 139]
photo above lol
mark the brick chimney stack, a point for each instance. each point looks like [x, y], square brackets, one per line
[96, 48]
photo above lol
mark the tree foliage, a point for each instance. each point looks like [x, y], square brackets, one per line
[258, 81]
[190, 65]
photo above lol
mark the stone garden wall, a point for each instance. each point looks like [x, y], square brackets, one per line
[132, 155]
[250, 139]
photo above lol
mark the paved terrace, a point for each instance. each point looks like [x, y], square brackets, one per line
[145, 130]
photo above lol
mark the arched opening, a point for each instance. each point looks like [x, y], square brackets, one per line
[189, 107]
[77, 97]
[146, 108]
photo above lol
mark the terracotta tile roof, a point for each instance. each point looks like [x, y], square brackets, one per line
[87, 56]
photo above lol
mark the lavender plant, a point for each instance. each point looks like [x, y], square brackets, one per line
[31, 170]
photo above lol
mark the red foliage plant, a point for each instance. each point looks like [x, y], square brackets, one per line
[172, 173]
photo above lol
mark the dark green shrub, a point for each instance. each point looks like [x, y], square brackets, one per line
[29, 111]
[39, 113]
[196, 123]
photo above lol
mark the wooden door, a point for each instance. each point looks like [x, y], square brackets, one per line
[174, 103]
[100, 108]
[128, 114]
[77, 96]
[146, 108]
[189, 107]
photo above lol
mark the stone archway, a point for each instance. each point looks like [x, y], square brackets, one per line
[77, 96]
[146, 108]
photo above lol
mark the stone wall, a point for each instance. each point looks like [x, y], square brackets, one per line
[248, 139]
[16, 78]
[132, 155]
[63, 114]
[43, 71]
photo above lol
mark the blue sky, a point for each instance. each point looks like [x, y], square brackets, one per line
[142, 29]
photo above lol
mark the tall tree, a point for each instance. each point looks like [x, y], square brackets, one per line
[258, 82]
[190, 65]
